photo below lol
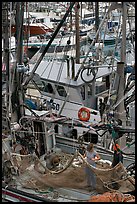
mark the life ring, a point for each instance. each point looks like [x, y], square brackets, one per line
[84, 114]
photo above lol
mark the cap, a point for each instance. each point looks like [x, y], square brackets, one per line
[116, 147]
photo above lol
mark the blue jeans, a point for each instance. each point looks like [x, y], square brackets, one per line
[91, 178]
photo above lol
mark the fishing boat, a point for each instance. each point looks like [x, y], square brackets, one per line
[35, 164]
[59, 104]
[60, 88]
[33, 24]
[62, 43]
[45, 178]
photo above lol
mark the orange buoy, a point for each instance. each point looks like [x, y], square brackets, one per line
[112, 197]
[84, 114]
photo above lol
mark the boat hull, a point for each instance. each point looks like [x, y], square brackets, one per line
[15, 195]
[33, 30]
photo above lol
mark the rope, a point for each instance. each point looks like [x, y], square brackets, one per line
[61, 67]
[60, 71]
[60, 171]
[50, 171]
[21, 155]
[7, 148]
[100, 53]
[132, 40]
[55, 55]
[10, 77]
[92, 167]
[53, 59]
[113, 57]
[100, 26]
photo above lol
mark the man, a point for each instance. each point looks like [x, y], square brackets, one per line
[101, 108]
[117, 157]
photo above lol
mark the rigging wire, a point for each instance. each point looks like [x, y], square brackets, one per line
[130, 30]
[118, 34]
[53, 59]
[61, 67]
[10, 78]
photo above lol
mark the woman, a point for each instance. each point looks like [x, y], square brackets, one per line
[91, 156]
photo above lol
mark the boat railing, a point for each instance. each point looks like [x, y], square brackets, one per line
[30, 96]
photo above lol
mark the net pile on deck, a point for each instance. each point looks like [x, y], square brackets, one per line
[68, 175]
[112, 197]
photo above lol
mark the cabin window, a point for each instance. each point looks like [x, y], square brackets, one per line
[38, 82]
[47, 87]
[34, 21]
[43, 85]
[40, 20]
[100, 87]
[82, 91]
[89, 90]
[61, 90]
[116, 23]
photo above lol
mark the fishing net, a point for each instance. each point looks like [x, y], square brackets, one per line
[112, 197]
[113, 178]
[70, 173]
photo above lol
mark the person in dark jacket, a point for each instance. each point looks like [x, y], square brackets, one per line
[101, 108]
[118, 156]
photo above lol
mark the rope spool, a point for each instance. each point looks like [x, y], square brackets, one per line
[55, 161]
[84, 114]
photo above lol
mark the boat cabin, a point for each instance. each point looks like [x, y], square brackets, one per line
[65, 96]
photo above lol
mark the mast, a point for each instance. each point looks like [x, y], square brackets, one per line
[5, 31]
[17, 96]
[77, 32]
[96, 17]
[81, 11]
[70, 21]
[120, 69]
[97, 51]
